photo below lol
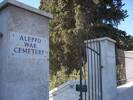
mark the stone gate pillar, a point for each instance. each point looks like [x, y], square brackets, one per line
[108, 68]
[24, 48]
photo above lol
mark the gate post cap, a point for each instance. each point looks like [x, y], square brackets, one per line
[18, 4]
[100, 39]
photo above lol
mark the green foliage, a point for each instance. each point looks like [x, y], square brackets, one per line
[87, 18]
[60, 77]
[123, 40]
[121, 77]
[110, 12]
[63, 38]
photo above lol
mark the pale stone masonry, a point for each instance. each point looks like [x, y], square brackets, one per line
[108, 67]
[24, 62]
[129, 65]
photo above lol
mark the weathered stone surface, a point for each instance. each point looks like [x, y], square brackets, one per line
[108, 64]
[22, 78]
[129, 65]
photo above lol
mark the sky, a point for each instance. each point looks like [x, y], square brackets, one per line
[33, 3]
[126, 25]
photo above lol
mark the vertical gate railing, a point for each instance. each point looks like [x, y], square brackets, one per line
[94, 85]
[90, 53]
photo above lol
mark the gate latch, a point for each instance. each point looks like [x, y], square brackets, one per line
[84, 88]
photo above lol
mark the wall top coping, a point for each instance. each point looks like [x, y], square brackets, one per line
[63, 86]
[128, 51]
[101, 39]
[124, 87]
[18, 4]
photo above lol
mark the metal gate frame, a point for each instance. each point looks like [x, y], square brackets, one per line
[90, 50]
[93, 52]
[93, 57]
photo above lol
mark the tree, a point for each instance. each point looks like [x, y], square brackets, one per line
[107, 15]
[63, 42]
[91, 19]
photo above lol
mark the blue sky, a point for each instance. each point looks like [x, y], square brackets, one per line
[33, 3]
[126, 25]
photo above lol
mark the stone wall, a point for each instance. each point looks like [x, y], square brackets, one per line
[22, 77]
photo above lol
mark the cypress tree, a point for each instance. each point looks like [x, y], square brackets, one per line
[63, 42]
[96, 18]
